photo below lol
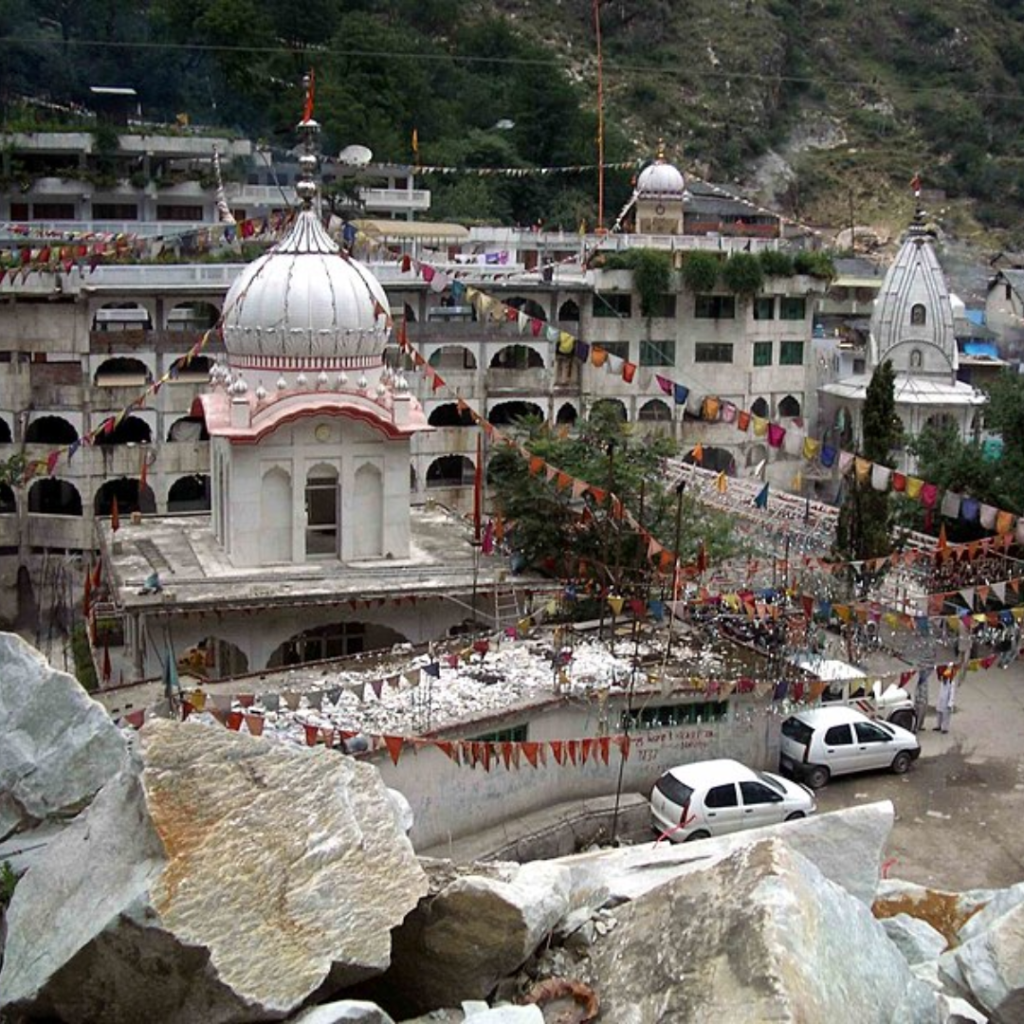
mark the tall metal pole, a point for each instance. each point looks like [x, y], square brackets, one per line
[600, 118]
[680, 487]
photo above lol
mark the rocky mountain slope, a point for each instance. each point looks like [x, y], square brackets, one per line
[824, 107]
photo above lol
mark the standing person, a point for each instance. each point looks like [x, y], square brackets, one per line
[947, 700]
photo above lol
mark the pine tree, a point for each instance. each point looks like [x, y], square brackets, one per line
[864, 530]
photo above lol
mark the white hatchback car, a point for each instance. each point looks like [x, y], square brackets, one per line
[823, 742]
[711, 798]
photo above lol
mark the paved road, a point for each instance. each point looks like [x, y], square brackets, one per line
[959, 810]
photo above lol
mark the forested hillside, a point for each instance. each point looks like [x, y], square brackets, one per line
[851, 98]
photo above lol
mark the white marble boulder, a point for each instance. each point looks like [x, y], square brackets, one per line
[232, 880]
[477, 930]
[760, 935]
[989, 967]
[59, 746]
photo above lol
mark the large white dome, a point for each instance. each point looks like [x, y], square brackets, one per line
[304, 305]
[661, 180]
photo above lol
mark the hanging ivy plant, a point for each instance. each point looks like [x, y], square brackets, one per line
[700, 272]
[743, 274]
[652, 271]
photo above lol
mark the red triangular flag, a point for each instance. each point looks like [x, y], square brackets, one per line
[234, 720]
[394, 745]
[530, 752]
[557, 750]
[115, 516]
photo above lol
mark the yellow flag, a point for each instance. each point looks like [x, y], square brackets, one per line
[721, 483]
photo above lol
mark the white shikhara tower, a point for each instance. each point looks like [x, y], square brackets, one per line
[911, 327]
[309, 427]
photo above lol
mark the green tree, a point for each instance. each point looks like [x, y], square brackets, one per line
[555, 532]
[1004, 415]
[864, 530]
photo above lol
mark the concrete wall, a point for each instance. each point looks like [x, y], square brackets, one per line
[451, 801]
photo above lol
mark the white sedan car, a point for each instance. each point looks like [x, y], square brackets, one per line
[822, 742]
[712, 798]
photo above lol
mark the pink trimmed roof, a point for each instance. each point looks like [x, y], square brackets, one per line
[277, 411]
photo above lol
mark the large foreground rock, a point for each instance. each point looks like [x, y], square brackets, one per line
[59, 746]
[760, 935]
[990, 967]
[460, 943]
[229, 881]
[845, 846]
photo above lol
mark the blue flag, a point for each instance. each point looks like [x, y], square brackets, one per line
[681, 393]
[761, 501]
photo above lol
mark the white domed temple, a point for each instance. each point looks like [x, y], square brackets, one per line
[312, 548]
[309, 428]
[912, 327]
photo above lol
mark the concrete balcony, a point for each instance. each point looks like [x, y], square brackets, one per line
[10, 533]
[176, 342]
[525, 382]
[397, 199]
[44, 531]
[58, 396]
[448, 441]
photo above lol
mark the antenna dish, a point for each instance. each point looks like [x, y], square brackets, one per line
[355, 156]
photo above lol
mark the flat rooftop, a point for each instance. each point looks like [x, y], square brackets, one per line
[196, 573]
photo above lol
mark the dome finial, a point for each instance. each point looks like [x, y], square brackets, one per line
[306, 186]
[661, 150]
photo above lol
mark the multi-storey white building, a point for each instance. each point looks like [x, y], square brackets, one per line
[78, 347]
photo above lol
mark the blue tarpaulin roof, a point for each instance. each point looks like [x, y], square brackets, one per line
[981, 348]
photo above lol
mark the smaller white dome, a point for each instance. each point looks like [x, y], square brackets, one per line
[661, 180]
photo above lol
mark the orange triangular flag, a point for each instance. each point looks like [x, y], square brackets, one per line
[698, 453]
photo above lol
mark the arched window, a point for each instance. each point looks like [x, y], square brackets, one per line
[192, 316]
[122, 316]
[130, 497]
[5, 431]
[195, 371]
[760, 408]
[131, 430]
[528, 306]
[452, 357]
[569, 311]
[450, 415]
[50, 430]
[122, 372]
[450, 471]
[654, 411]
[789, 407]
[517, 357]
[53, 497]
[567, 414]
[188, 428]
[8, 503]
[916, 358]
[610, 407]
[508, 414]
[918, 315]
[322, 512]
[189, 494]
